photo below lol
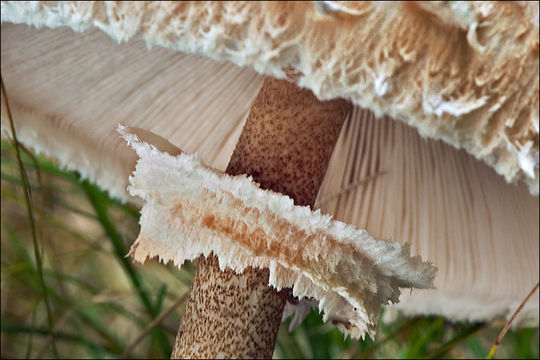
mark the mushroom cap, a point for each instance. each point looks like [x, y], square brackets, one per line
[464, 72]
[457, 212]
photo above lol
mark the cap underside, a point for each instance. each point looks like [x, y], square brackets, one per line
[480, 232]
[464, 72]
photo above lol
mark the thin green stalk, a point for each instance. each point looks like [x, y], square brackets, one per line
[287, 346]
[78, 305]
[152, 325]
[75, 178]
[52, 220]
[50, 168]
[81, 284]
[58, 201]
[14, 328]
[27, 197]
[31, 335]
[413, 350]
[441, 351]
[40, 187]
[509, 322]
[353, 353]
[96, 199]
[100, 328]
[15, 180]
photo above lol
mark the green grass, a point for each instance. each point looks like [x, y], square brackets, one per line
[100, 301]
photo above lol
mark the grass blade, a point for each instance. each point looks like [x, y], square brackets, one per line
[14, 328]
[509, 322]
[98, 200]
[28, 200]
[152, 325]
[441, 351]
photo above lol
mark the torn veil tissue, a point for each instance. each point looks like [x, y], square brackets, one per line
[192, 210]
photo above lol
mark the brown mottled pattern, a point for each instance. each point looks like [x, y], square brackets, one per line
[285, 145]
[288, 139]
[223, 310]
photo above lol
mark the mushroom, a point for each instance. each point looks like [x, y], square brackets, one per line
[466, 73]
[285, 145]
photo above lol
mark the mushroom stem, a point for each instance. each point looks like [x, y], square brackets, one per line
[285, 145]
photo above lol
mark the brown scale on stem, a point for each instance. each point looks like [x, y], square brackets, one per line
[285, 146]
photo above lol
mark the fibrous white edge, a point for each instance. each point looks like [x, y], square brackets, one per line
[41, 136]
[350, 280]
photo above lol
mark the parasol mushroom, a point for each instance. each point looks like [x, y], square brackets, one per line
[465, 73]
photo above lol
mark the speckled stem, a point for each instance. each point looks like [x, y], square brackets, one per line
[285, 146]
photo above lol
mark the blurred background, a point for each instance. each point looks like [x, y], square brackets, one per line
[69, 291]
